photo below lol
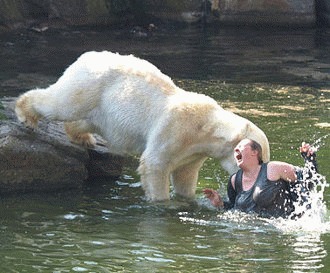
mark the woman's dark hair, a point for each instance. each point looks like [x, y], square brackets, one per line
[256, 146]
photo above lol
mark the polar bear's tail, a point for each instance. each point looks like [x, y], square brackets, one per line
[25, 110]
[38, 103]
[53, 103]
[35, 104]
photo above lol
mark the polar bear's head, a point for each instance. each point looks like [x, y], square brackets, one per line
[230, 130]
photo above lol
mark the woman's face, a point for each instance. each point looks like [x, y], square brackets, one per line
[243, 151]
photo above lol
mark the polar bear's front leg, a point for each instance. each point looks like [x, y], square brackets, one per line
[184, 178]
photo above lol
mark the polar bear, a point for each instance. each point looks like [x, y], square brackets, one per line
[139, 110]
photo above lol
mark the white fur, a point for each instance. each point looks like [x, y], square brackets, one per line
[139, 110]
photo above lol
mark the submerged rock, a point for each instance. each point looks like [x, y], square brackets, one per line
[44, 159]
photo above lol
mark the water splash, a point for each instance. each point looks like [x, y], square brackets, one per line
[319, 142]
[314, 218]
[309, 204]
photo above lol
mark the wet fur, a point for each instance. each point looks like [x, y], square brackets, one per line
[139, 110]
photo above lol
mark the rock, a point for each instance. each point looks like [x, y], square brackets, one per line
[44, 159]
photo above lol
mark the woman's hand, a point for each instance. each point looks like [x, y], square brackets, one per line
[306, 150]
[214, 197]
[309, 155]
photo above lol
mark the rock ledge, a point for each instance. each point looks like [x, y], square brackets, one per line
[44, 159]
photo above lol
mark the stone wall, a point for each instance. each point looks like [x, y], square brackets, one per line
[26, 13]
[269, 12]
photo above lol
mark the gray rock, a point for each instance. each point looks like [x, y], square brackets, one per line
[43, 159]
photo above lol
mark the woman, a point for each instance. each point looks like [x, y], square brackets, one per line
[268, 189]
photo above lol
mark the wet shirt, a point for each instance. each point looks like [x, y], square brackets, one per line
[266, 198]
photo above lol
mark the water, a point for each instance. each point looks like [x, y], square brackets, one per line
[277, 78]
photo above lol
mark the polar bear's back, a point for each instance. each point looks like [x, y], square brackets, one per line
[107, 66]
[112, 81]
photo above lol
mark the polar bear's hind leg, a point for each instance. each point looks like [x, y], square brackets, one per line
[155, 179]
[79, 132]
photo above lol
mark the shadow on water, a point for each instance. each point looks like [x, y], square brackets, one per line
[278, 78]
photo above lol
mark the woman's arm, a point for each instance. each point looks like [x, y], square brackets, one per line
[282, 170]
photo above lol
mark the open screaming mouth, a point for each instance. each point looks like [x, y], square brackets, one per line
[238, 156]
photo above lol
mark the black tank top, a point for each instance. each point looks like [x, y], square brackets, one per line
[266, 198]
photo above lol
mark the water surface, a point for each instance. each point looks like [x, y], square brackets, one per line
[277, 78]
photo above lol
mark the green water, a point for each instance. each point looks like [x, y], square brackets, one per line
[278, 79]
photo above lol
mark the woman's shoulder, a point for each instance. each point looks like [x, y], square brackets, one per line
[278, 164]
[280, 170]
